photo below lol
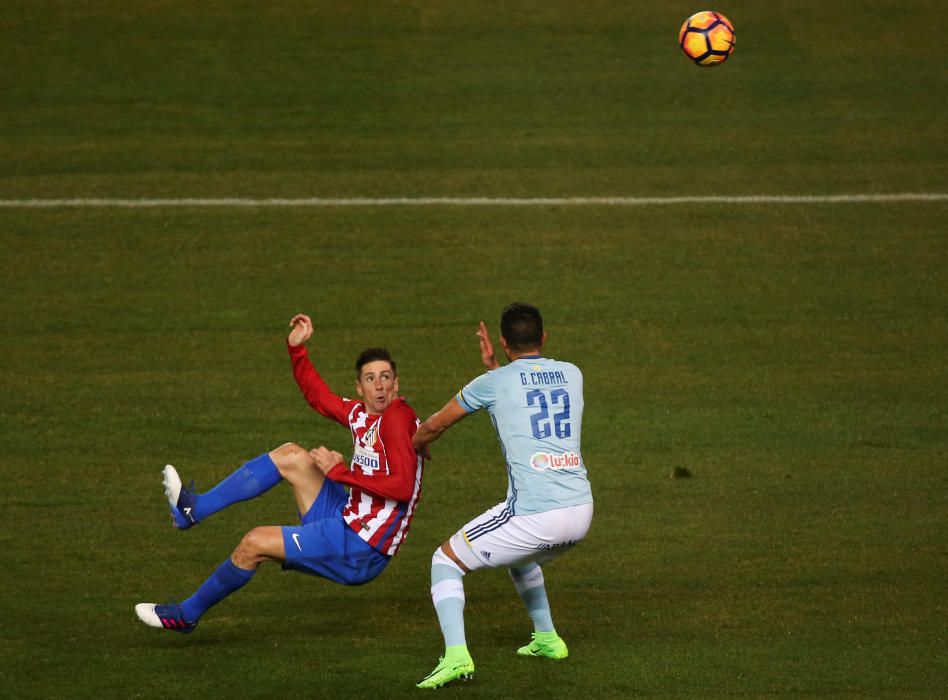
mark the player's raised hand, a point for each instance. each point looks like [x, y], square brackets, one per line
[301, 329]
[487, 348]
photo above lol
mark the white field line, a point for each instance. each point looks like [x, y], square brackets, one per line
[152, 203]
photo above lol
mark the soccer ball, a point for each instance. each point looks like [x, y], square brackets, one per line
[707, 38]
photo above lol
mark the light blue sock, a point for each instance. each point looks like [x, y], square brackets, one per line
[528, 580]
[227, 578]
[257, 476]
[447, 594]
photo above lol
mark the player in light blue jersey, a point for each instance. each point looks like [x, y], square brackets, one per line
[536, 406]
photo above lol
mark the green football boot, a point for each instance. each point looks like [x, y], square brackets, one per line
[548, 644]
[449, 669]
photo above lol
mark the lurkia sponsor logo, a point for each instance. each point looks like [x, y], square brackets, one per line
[542, 461]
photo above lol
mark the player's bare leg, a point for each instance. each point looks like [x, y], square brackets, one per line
[298, 467]
[259, 545]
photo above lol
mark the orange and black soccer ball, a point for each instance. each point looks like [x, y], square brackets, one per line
[707, 38]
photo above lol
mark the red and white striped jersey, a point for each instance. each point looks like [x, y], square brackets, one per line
[384, 478]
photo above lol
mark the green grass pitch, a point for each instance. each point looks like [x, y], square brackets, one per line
[790, 357]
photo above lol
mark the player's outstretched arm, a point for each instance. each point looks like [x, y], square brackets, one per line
[301, 330]
[431, 429]
[487, 348]
[317, 394]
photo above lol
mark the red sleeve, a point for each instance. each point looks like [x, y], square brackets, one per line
[316, 391]
[398, 425]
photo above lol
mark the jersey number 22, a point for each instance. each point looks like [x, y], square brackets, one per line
[540, 421]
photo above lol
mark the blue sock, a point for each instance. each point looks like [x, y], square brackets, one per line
[528, 580]
[447, 594]
[257, 476]
[226, 579]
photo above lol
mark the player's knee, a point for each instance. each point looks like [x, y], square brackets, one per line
[527, 576]
[259, 545]
[526, 570]
[440, 558]
[251, 547]
[288, 450]
[289, 457]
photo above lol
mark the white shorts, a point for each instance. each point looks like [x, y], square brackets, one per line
[498, 539]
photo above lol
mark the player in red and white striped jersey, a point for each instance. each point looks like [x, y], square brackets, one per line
[385, 473]
[345, 537]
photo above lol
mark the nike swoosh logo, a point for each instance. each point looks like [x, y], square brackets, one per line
[296, 539]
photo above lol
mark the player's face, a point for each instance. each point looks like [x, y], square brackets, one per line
[378, 386]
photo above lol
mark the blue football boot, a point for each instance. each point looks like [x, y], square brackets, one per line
[180, 499]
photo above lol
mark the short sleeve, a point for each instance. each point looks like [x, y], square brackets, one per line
[478, 393]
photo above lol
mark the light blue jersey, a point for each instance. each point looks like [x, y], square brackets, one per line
[536, 405]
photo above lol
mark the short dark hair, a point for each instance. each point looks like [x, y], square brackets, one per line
[371, 355]
[522, 326]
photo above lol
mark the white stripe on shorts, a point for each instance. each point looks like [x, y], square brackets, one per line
[488, 525]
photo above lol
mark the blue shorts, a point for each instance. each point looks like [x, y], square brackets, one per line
[324, 545]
